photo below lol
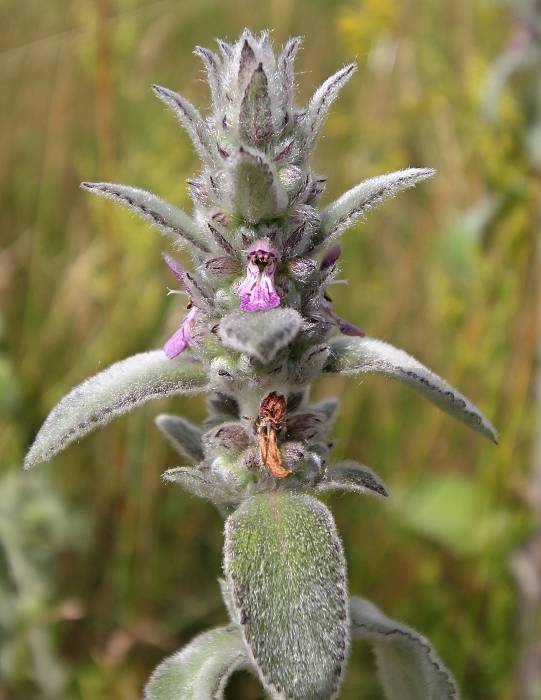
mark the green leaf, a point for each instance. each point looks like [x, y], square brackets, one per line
[286, 571]
[355, 203]
[184, 437]
[260, 334]
[322, 100]
[408, 665]
[201, 670]
[371, 356]
[256, 190]
[168, 219]
[118, 389]
[350, 476]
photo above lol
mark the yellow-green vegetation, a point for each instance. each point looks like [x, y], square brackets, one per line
[447, 271]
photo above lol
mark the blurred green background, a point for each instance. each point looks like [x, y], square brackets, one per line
[103, 569]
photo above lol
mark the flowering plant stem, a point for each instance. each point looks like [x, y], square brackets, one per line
[259, 329]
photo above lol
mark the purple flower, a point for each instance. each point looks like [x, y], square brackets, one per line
[257, 291]
[180, 340]
[345, 327]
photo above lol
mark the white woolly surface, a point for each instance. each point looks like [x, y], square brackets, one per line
[368, 355]
[170, 220]
[408, 665]
[260, 334]
[201, 670]
[354, 203]
[116, 390]
[285, 569]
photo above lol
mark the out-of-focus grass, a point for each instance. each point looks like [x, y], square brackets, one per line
[446, 272]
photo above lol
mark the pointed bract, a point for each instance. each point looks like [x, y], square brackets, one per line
[170, 220]
[355, 203]
[322, 101]
[190, 119]
[184, 437]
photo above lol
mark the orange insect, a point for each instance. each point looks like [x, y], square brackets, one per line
[269, 423]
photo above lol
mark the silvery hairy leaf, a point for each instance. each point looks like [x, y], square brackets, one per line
[184, 437]
[226, 437]
[322, 100]
[285, 62]
[221, 404]
[354, 203]
[261, 334]
[255, 115]
[213, 67]
[215, 485]
[190, 119]
[201, 670]
[285, 568]
[371, 356]
[256, 190]
[123, 386]
[170, 220]
[306, 426]
[350, 476]
[311, 364]
[408, 666]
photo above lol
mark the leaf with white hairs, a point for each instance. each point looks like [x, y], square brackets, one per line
[184, 437]
[201, 669]
[371, 356]
[322, 100]
[168, 219]
[213, 67]
[355, 203]
[408, 666]
[285, 569]
[118, 389]
[350, 476]
[190, 119]
[257, 192]
[261, 334]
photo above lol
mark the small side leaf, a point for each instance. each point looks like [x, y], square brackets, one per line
[285, 568]
[213, 67]
[190, 119]
[171, 221]
[201, 670]
[207, 483]
[352, 205]
[408, 665]
[261, 334]
[350, 476]
[256, 190]
[116, 390]
[371, 356]
[184, 437]
[255, 115]
[322, 101]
